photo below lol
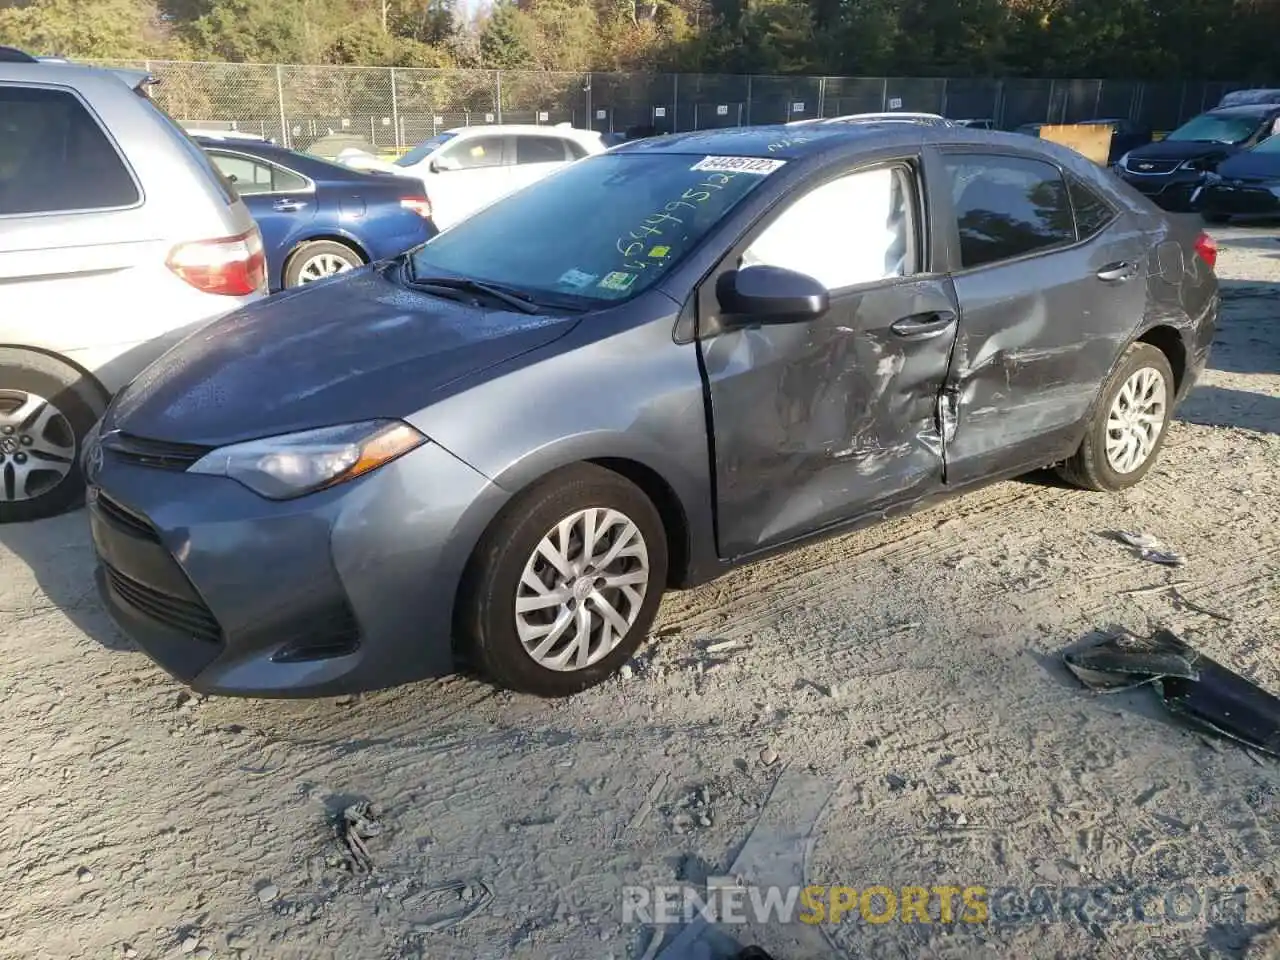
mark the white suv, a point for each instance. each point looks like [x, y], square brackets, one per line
[470, 167]
[117, 238]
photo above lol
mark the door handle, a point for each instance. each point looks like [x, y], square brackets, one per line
[1118, 272]
[287, 206]
[923, 326]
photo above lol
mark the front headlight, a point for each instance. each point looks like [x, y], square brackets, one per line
[280, 468]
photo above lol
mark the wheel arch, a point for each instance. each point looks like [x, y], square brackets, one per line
[87, 377]
[1169, 341]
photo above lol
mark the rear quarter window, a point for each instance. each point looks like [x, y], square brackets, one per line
[1093, 213]
[56, 158]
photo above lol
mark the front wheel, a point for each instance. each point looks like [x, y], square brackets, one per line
[1129, 427]
[46, 408]
[565, 584]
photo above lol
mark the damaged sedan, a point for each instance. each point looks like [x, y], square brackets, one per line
[497, 451]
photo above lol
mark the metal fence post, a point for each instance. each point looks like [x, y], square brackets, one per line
[284, 123]
[586, 89]
[884, 95]
[497, 94]
[395, 110]
[943, 98]
[748, 104]
[822, 96]
[675, 103]
[997, 108]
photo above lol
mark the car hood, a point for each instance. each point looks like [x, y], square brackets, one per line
[1251, 165]
[1180, 150]
[354, 347]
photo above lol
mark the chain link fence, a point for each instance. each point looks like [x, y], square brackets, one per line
[393, 108]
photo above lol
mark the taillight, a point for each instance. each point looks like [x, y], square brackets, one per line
[419, 205]
[230, 266]
[1207, 248]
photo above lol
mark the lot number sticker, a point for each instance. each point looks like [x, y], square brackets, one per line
[758, 165]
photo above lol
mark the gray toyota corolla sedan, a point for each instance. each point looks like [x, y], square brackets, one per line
[501, 448]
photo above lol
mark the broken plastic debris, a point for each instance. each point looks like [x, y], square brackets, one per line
[1190, 685]
[1150, 549]
[475, 893]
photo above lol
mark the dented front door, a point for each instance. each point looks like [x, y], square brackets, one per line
[819, 422]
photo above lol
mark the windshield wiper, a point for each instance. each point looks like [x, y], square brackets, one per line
[453, 285]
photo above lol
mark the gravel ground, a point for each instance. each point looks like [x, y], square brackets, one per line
[913, 669]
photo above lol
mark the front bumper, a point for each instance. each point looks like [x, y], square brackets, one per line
[1246, 199]
[1171, 191]
[341, 591]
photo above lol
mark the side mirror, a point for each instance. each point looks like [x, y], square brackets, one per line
[442, 165]
[764, 294]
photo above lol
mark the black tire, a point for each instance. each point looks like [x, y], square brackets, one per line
[1216, 219]
[80, 401]
[1088, 468]
[486, 621]
[314, 248]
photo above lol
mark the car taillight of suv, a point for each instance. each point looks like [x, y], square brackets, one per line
[230, 266]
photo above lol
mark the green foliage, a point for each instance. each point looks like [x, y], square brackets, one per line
[1138, 39]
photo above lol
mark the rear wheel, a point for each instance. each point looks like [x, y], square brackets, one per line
[318, 259]
[1129, 427]
[46, 408]
[565, 584]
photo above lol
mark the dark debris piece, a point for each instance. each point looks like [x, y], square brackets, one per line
[1190, 685]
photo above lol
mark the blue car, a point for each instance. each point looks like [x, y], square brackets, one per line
[319, 218]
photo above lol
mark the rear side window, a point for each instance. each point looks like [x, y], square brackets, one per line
[540, 150]
[576, 150]
[250, 176]
[1093, 214]
[473, 153]
[55, 158]
[1008, 207]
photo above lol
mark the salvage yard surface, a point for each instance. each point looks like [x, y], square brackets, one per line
[913, 667]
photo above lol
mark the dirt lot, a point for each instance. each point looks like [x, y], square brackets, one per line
[906, 677]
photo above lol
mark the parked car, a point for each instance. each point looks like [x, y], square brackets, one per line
[333, 145]
[893, 116]
[985, 123]
[660, 363]
[1240, 98]
[1245, 185]
[1170, 171]
[470, 167]
[319, 218]
[1126, 134]
[117, 238]
[238, 135]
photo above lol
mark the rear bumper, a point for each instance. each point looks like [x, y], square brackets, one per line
[342, 591]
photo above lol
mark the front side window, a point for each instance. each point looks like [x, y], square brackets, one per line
[54, 158]
[539, 150]
[633, 217]
[853, 230]
[1008, 207]
[472, 154]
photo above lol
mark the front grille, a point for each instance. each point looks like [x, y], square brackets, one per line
[193, 619]
[1152, 168]
[161, 454]
[125, 518]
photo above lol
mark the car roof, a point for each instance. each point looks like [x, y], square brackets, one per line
[18, 65]
[491, 129]
[317, 168]
[1245, 110]
[797, 143]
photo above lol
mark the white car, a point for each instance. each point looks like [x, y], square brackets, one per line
[470, 167]
[117, 238]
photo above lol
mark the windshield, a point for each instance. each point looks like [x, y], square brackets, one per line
[422, 150]
[1217, 128]
[602, 229]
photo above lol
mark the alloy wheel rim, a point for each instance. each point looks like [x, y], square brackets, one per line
[37, 446]
[1136, 420]
[322, 265]
[582, 589]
